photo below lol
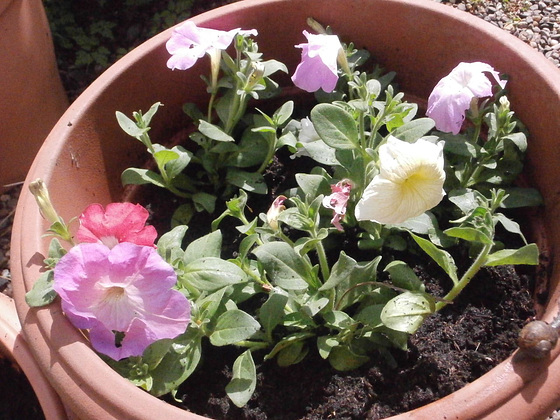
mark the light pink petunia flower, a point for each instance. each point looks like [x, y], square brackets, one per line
[118, 222]
[318, 66]
[452, 96]
[338, 201]
[123, 295]
[188, 43]
[410, 182]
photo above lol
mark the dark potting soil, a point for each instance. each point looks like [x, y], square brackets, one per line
[452, 348]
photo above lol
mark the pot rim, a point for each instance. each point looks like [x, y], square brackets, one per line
[516, 381]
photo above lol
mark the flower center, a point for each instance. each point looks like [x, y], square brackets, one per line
[114, 294]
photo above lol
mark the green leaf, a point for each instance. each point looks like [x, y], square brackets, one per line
[441, 257]
[249, 181]
[403, 276]
[207, 246]
[357, 284]
[42, 292]
[283, 266]
[407, 311]
[178, 363]
[204, 201]
[169, 245]
[529, 255]
[283, 113]
[137, 176]
[343, 359]
[335, 126]
[252, 150]
[244, 379]
[233, 326]
[213, 132]
[182, 215]
[211, 274]
[522, 197]
[313, 184]
[273, 310]
[288, 341]
[129, 126]
[338, 320]
[469, 234]
[325, 344]
[163, 155]
[341, 270]
[292, 354]
[413, 130]
[147, 117]
[175, 166]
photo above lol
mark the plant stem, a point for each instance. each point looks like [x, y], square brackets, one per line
[323, 263]
[467, 277]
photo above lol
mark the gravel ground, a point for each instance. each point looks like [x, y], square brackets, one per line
[537, 22]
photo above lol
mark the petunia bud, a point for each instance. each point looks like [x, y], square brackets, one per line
[274, 211]
[41, 194]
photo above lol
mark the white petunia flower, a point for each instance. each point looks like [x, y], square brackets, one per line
[410, 182]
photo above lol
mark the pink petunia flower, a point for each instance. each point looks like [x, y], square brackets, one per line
[337, 201]
[118, 222]
[188, 43]
[123, 295]
[318, 66]
[452, 96]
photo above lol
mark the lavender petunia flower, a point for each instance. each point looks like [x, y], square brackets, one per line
[318, 66]
[452, 96]
[188, 43]
[410, 182]
[123, 295]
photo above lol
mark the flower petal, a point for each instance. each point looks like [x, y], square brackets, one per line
[318, 66]
[128, 288]
[410, 182]
[118, 222]
[452, 96]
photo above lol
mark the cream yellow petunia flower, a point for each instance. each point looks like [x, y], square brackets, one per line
[410, 182]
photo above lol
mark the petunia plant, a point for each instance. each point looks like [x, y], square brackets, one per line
[325, 262]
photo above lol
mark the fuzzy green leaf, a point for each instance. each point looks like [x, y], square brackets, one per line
[211, 274]
[284, 267]
[233, 326]
[244, 379]
[42, 292]
[209, 245]
[335, 126]
[441, 257]
[529, 255]
[407, 311]
[137, 176]
[214, 132]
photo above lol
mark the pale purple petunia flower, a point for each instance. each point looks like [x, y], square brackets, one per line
[318, 66]
[452, 96]
[127, 289]
[188, 43]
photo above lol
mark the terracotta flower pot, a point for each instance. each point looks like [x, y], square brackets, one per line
[32, 95]
[14, 346]
[83, 157]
